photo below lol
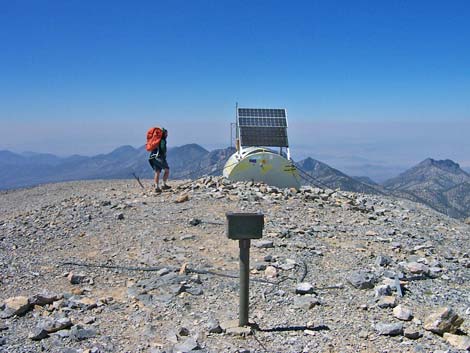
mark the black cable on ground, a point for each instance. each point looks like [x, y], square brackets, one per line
[304, 271]
[128, 268]
[257, 340]
[191, 270]
[153, 269]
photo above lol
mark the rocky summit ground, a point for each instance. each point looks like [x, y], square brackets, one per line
[106, 266]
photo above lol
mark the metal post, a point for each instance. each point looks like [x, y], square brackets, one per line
[244, 280]
[244, 227]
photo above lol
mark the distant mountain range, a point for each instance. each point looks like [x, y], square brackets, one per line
[29, 169]
[442, 185]
[333, 178]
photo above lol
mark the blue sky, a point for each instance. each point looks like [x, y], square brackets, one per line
[360, 79]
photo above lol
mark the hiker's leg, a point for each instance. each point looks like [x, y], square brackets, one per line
[166, 174]
[157, 178]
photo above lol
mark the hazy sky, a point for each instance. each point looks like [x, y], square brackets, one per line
[364, 82]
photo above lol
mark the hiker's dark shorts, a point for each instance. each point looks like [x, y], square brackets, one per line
[158, 164]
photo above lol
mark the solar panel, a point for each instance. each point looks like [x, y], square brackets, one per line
[263, 127]
[259, 136]
[258, 122]
[273, 113]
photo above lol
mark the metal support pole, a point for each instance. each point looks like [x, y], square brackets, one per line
[244, 280]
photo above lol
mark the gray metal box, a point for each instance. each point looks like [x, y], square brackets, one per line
[244, 225]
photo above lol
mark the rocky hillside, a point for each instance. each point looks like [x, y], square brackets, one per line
[105, 266]
[442, 185]
[335, 179]
[31, 169]
[365, 180]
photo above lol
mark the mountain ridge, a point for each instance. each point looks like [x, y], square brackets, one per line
[122, 162]
[440, 184]
[333, 178]
[431, 182]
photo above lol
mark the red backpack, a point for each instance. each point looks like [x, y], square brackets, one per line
[154, 135]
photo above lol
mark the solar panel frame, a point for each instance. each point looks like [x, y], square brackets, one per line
[262, 127]
[263, 112]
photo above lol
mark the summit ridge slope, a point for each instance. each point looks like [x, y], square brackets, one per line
[113, 268]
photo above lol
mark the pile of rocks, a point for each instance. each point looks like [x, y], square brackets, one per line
[143, 272]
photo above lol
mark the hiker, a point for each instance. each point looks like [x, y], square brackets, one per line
[157, 160]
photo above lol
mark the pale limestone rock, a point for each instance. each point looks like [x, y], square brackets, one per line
[16, 306]
[304, 288]
[402, 313]
[387, 301]
[417, 268]
[270, 272]
[458, 341]
[443, 320]
[182, 198]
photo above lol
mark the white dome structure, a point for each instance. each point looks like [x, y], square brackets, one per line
[262, 165]
[256, 130]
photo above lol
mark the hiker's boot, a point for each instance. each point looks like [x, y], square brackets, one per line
[166, 187]
[158, 190]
